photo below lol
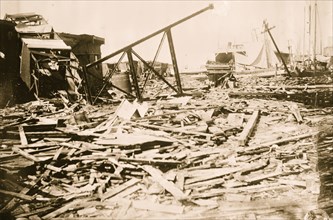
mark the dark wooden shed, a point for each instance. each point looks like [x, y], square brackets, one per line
[11, 89]
[87, 48]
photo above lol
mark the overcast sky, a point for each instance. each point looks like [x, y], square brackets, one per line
[196, 40]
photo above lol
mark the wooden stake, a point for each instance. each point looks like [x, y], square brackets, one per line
[246, 133]
[23, 138]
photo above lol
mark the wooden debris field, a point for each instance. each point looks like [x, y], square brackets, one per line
[205, 156]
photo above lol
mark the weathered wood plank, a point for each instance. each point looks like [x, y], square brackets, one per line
[173, 130]
[246, 133]
[23, 138]
[120, 188]
[180, 180]
[281, 141]
[205, 184]
[17, 195]
[11, 204]
[64, 209]
[296, 112]
[152, 206]
[169, 186]
[123, 194]
[150, 161]
[219, 173]
[35, 212]
[26, 209]
[25, 154]
[262, 177]
[300, 183]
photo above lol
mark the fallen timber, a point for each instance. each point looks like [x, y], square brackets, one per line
[190, 171]
[313, 98]
[305, 87]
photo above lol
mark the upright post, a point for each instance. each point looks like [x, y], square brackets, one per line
[87, 88]
[304, 39]
[134, 74]
[309, 33]
[174, 62]
[315, 39]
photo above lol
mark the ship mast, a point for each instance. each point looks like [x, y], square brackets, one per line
[315, 37]
[304, 37]
[309, 55]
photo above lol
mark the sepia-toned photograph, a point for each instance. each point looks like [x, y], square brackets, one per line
[166, 109]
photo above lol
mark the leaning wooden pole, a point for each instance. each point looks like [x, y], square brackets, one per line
[276, 47]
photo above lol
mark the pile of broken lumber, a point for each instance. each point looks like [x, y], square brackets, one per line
[171, 158]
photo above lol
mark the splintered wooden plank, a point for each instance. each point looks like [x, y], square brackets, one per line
[123, 194]
[262, 177]
[39, 145]
[39, 134]
[255, 166]
[23, 138]
[173, 130]
[11, 204]
[150, 161]
[63, 209]
[40, 127]
[300, 183]
[17, 195]
[151, 206]
[57, 154]
[218, 172]
[296, 112]
[180, 180]
[130, 139]
[26, 209]
[246, 133]
[169, 186]
[282, 141]
[25, 154]
[53, 168]
[209, 194]
[206, 184]
[35, 212]
[120, 188]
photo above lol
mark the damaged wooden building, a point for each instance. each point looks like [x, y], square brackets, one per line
[39, 62]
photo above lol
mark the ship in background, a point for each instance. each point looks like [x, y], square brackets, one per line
[251, 57]
[261, 57]
[314, 60]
